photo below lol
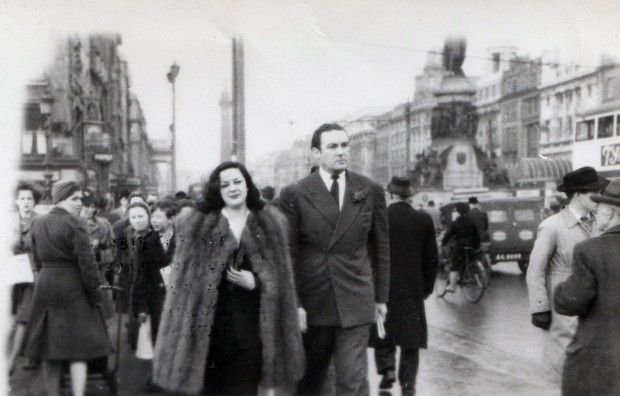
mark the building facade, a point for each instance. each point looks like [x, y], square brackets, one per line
[362, 143]
[77, 119]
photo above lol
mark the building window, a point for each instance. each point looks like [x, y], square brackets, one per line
[548, 100]
[618, 125]
[589, 90]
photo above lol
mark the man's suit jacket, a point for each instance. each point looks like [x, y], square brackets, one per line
[481, 220]
[592, 292]
[341, 258]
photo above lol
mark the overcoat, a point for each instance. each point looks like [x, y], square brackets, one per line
[592, 292]
[413, 266]
[149, 257]
[65, 320]
[204, 248]
[341, 257]
[551, 264]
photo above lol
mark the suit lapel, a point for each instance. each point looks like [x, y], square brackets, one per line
[319, 197]
[349, 211]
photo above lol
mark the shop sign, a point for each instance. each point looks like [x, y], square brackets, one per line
[610, 154]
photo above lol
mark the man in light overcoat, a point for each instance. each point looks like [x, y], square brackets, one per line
[552, 257]
[340, 249]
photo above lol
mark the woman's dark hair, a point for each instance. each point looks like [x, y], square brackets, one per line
[169, 207]
[25, 186]
[212, 197]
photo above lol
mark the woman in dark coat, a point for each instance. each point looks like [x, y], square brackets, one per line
[230, 319]
[26, 197]
[66, 322]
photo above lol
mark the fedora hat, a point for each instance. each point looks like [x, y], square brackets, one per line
[611, 194]
[400, 186]
[583, 179]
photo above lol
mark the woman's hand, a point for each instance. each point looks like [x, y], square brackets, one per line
[241, 278]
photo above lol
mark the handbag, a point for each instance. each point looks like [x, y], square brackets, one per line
[144, 349]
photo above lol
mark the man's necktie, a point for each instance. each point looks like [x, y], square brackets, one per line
[334, 191]
[588, 223]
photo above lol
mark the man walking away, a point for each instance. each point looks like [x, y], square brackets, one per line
[413, 266]
[465, 235]
[552, 257]
[592, 292]
[340, 249]
[480, 218]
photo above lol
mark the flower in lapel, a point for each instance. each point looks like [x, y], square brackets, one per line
[359, 195]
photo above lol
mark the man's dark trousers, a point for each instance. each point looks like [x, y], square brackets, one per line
[385, 359]
[349, 349]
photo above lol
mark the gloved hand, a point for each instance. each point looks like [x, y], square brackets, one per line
[542, 320]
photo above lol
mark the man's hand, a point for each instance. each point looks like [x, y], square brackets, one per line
[380, 311]
[241, 278]
[542, 320]
[303, 322]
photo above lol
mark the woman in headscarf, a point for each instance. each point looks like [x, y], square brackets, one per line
[65, 322]
[26, 197]
[230, 320]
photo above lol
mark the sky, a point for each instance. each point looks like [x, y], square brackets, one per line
[306, 62]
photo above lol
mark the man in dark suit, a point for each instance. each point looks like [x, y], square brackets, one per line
[340, 250]
[592, 292]
[413, 266]
[480, 218]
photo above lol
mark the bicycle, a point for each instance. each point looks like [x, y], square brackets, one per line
[473, 278]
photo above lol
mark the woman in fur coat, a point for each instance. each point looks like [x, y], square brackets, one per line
[230, 322]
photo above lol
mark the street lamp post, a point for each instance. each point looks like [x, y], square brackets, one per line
[172, 75]
[45, 107]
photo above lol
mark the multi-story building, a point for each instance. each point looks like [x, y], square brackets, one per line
[566, 90]
[381, 166]
[362, 143]
[488, 95]
[519, 109]
[293, 164]
[77, 119]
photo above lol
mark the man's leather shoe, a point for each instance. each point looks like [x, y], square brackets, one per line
[389, 377]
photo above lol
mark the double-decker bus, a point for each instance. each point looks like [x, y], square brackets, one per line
[597, 142]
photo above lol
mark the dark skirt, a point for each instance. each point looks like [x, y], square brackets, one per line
[62, 323]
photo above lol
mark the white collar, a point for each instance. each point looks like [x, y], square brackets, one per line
[327, 178]
[577, 215]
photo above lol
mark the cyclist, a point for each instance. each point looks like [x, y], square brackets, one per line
[465, 234]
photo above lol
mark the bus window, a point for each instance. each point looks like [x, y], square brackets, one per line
[605, 127]
[497, 216]
[585, 130]
[525, 215]
[618, 125]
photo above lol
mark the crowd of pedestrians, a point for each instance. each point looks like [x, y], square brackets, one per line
[242, 291]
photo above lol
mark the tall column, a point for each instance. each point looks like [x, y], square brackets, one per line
[238, 130]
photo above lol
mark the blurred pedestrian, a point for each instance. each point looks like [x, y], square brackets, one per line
[268, 194]
[435, 215]
[552, 257]
[592, 293]
[148, 291]
[479, 217]
[413, 266]
[340, 248]
[121, 211]
[465, 234]
[26, 197]
[65, 322]
[100, 234]
[230, 318]
[104, 211]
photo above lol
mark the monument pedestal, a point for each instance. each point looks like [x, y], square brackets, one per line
[461, 169]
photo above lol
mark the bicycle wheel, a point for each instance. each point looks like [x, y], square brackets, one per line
[473, 284]
[441, 281]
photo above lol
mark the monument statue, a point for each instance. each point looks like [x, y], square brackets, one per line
[454, 54]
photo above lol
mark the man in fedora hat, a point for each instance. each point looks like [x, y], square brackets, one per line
[592, 292]
[552, 257]
[413, 265]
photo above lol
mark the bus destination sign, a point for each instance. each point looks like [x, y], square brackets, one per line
[610, 154]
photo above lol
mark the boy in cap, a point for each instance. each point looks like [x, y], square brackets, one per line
[552, 257]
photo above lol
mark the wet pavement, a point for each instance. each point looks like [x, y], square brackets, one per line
[474, 349]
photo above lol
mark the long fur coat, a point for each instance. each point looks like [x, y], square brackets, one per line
[204, 245]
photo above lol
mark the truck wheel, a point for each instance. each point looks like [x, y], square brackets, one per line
[523, 266]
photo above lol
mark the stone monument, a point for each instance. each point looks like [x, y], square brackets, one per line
[454, 121]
